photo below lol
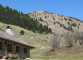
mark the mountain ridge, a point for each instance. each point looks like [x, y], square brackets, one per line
[41, 11]
[57, 22]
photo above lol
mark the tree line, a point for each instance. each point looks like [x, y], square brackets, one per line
[12, 16]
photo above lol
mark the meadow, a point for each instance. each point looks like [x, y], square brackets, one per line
[40, 47]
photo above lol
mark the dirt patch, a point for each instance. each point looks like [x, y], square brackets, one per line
[66, 51]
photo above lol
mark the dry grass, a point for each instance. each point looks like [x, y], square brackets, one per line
[66, 51]
[58, 18]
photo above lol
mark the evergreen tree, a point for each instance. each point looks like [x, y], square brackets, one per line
[12, 16]
[21, 32]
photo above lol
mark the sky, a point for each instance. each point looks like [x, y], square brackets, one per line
[72, 8]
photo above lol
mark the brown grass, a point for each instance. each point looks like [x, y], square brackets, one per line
[66, 51]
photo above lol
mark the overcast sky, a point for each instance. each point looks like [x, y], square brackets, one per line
[72, 8]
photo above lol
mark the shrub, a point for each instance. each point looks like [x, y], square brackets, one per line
[78, 27]
[45, 16]
[54, 23]
[69, 39]
[62, 19]
[53, 18]
[41, 19]
[70, 28]
[73, 37]
[74, 24]
[21, 32]
[58, 22]
[61, 25]
[55, 42]
[68, 23]
[70, 20]
[65, 19]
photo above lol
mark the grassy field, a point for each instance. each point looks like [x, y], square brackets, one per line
[40, 47]
[66, 57]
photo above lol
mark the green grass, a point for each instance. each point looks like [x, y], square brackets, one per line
[38, 44]
[56, 57]
[15, 59]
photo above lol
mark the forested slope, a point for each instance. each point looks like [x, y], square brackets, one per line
[12, 16]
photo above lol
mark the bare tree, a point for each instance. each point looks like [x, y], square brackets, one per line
[80, 37]
[55, 42]
[69, 38]
[73, 37]
[76, 36]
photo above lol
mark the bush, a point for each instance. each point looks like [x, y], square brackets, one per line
[41, 19]
[54, 23]
[53, 18]
[65, 19]
[62, 19]
[45, 16]
[55, 42]
[78, 27]
[70, 28]
[69, 39]
[74, 24]
[21, 32]
[70, 20]
[73, 37]
[68, 23]
[61, 25]
[58, 22]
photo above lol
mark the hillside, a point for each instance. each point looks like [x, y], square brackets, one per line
[42, 48]
[37, 32]
[58, 23]
[31, 38]
[13, 17]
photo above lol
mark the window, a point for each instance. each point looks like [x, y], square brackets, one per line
[25, 50]
[17, 48]
[0, 45]
[9, 48]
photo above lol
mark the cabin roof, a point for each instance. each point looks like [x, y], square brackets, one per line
[8, 37]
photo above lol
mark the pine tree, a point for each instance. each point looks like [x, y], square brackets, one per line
[13, 17]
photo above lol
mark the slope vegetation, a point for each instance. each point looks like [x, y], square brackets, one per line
[12, 16]
[58, 23]
[39, 41]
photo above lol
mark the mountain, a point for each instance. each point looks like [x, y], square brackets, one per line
[58, 23]
[12, 16]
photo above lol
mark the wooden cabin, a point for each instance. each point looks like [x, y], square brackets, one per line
[13, 45]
